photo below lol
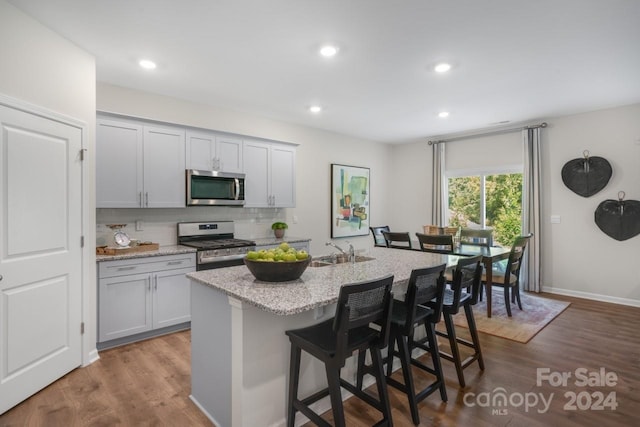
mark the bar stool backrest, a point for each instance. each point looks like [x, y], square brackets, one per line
[361, 304]
[426, 287]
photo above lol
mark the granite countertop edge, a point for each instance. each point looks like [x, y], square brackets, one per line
[162, 251]
[318, 286]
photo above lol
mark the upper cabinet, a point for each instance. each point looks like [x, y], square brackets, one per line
[139, 165]
[270, 170]
[142, 165]
[208, 151]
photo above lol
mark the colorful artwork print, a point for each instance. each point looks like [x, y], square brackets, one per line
[349, 201]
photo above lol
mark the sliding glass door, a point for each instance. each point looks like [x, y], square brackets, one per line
[486, 199]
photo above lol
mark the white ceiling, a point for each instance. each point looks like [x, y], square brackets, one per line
[513, 60]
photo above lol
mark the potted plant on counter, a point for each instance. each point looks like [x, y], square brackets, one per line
[278, 229]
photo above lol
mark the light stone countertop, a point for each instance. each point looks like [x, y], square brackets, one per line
[163, 250]
[318, 286]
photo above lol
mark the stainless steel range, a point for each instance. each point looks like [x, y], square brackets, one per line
[215, 243]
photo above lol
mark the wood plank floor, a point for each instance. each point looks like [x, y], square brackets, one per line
[148, 383]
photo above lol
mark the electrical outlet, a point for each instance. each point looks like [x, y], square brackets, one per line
[139, 225]
[295, 219]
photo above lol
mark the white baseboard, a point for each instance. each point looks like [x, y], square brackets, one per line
[591, 296]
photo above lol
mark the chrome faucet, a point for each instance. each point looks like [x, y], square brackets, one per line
[351, 254]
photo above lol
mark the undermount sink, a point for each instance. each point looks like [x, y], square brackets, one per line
[333, 260]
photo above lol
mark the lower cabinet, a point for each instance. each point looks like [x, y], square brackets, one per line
[143, 295]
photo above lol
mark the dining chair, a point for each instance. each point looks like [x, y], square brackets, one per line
[422, 305]
[510, 277]
[360, 305]
[462, 293]
[436, 243]
[477, 236]
[378, 237]
[397, 240]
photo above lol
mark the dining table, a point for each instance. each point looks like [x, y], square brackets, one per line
[490, 255]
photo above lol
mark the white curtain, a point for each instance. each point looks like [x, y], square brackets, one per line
[531, 207]
[437, 205]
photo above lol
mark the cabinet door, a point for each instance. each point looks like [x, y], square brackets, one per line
[200, 150]
[257, 169]
[164, 167]
[124, 306]
[118, 164]
[171, 297]
[228, 154]
[283, 176]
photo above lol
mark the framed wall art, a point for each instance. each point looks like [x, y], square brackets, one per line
[349, 201]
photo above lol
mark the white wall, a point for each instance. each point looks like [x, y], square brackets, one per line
[577, 258]
[316, 151]
[41, 68]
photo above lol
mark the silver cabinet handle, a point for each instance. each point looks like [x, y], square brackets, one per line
[149, 283]
[155, 282]
[146, 196]
[140, 199]
[174, 262]
[126, 268]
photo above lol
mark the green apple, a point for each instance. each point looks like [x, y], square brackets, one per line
[252, 255]
[289, 257]
[302, 254]
[284, 246]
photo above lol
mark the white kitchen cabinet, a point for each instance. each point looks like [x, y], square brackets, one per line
[270, 170]
[143, 294]
[209, 151]
[139, 165]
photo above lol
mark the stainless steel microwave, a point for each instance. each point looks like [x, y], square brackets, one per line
[207, 188]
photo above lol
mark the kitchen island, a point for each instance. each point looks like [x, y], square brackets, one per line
[239, 351]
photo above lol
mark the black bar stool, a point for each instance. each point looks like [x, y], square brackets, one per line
[333, 341]
[422, 305]
[467, 275]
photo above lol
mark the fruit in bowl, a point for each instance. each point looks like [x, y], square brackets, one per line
[280, 264]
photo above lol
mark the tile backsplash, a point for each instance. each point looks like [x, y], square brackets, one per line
[159, 225]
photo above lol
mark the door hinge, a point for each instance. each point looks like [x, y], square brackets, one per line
[82, 328]
[82, 151]
[82, 241]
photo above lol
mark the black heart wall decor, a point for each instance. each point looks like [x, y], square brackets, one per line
[586, 176]
[619, 219]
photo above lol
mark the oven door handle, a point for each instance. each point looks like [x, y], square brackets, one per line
[208, 259]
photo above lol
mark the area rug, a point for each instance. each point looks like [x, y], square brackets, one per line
[537, 312]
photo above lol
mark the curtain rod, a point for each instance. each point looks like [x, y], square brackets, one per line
[489, 133]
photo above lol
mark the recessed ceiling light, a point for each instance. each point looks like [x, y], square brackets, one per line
[147, 65]
[443, 114]
[328, 51]
[442, 67]
[315, 109]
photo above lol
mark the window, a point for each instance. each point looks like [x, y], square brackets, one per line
[486, 199]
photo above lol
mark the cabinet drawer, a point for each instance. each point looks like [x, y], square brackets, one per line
[145, 265]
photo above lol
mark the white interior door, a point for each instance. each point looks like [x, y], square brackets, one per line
[40, 252]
